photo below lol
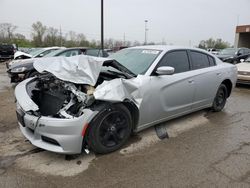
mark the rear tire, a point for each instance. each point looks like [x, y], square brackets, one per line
[110, 129]
[220, 98]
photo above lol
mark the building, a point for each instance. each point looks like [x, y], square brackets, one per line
[242, 36]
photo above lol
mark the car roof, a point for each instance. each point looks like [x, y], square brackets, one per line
[53, 47]
[167, 48]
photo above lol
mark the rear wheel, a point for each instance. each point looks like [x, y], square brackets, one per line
[110, 129]
[220, 98]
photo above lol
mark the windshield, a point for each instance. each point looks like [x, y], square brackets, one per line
[37, 52]
[136, 60]
[33, 51]
[53, 53]
[228, 51]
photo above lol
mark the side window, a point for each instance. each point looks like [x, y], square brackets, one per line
[241, 52]
[246, 51]
[70, 53]
[199, 60]
[176, 59]
[93, 52]
[48, 51]
[211, 61]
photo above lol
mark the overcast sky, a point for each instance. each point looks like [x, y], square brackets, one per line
[174, 21]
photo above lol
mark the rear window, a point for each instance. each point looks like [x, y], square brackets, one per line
[93, 52]
[199, 60]
[211, 61]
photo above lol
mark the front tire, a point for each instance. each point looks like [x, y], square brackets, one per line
[110, 129]
[220, 98]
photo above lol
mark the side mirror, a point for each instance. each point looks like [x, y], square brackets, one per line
[242, 60]
[165, 70]
[41, 55]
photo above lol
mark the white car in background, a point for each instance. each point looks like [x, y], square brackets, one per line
[244, 72]
[20, 57]
[35, 53]
[213, 51]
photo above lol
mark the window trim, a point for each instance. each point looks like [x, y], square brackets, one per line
[197, 51]
[153, 73]
[70, 50]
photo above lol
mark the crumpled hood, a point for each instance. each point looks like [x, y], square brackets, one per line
[80, 69]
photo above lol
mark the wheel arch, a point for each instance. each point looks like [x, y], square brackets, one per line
[229, 86]
[134, 111]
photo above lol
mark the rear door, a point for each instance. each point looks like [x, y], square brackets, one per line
[206, 77]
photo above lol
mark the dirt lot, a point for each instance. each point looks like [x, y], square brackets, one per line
[205, 149]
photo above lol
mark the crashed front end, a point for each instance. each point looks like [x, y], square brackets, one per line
[54, 110]
[52, 114]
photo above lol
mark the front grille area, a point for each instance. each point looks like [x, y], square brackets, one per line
[244, 73]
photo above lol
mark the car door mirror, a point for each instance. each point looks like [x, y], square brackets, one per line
[165, 70]
[241, 60]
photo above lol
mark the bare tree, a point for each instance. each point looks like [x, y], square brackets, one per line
[52, 38]
[212, 43]
[38, 32]
[7, 31]
[82, 41]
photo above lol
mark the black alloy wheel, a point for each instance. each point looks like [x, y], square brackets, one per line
[110, 129]
[113, 129]
[220, 98]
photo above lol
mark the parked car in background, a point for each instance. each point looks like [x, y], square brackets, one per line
[213, 51]
[24, 68]
[244, 72]
[96, 103]
[233, 55]
[7, 51]
[35, 53]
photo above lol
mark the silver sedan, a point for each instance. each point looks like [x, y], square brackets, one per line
[81, 103]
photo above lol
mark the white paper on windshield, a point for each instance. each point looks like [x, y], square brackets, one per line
[155, 52]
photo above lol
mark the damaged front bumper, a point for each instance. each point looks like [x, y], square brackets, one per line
[53, 134]
[16, 77]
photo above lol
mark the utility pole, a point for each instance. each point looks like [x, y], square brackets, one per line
[146, 30]
[124, 39]
[60, 36]
[102, 25]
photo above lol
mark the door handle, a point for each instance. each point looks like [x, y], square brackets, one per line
[190, 81]
[218, 73]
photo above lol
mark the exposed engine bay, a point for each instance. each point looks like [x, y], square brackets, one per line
[62, 99]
